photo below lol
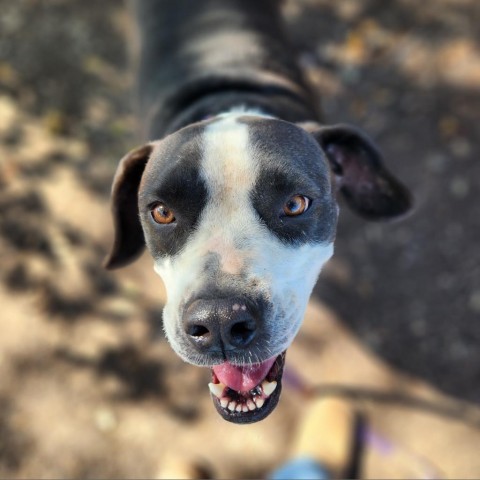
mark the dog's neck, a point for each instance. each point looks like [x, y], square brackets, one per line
[233, 55]
[268, 101]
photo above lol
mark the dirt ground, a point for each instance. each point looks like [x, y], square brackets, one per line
[89, 387]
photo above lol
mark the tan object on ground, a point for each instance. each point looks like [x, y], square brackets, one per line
[326, 434]
[179, 467]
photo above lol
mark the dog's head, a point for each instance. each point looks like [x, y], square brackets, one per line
[239, 214]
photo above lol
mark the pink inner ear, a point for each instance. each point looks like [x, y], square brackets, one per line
[336, 157]
[368, 187]
[351, 169]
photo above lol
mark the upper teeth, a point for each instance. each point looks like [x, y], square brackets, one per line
[262, 392]
[269, 387]
[217, 389]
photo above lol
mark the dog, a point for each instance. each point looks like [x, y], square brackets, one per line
[234, 195]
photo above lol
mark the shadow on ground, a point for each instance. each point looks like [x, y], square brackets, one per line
[409, 75]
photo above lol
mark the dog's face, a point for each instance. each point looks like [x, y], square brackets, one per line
[239, 215]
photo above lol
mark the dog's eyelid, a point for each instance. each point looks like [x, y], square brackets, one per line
[154, 200]
[154, 203]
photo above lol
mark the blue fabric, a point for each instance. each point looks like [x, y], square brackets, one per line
[301, 469]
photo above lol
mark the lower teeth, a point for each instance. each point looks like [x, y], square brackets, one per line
[257, 398]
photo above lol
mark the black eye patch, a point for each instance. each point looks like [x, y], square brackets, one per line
[172, 177]
[183, 191]
[317, 224]
[291, 163]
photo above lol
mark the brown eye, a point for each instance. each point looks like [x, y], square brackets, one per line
[296, 205]
[162, 214]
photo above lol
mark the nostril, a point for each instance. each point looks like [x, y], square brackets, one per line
[197, 331]
[242, 333]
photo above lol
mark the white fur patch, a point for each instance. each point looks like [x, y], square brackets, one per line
[229, 170]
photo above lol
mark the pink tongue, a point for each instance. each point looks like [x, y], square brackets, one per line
[245, 377]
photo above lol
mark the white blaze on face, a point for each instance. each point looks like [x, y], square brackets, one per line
[229, 170]
[247, 251]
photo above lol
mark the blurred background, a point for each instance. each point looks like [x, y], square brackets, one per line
[89, 387]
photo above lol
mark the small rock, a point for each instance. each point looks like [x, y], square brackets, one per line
[419, 327]
[474, 301]
[105, 420]
[436, 162]
[460, 147]
[459, 187]
[448, 126]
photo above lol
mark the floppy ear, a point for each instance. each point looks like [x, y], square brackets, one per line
[129, 241]
[368, 187]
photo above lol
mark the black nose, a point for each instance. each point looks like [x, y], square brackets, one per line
[221, 324]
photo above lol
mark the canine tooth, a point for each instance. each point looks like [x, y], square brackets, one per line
[217, 389]
[269, 387]
[259, 401]
[251, 405]
[239, 407]
[232, 405]
[224, 402]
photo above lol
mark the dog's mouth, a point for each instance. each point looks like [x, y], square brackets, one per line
[247, 393]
